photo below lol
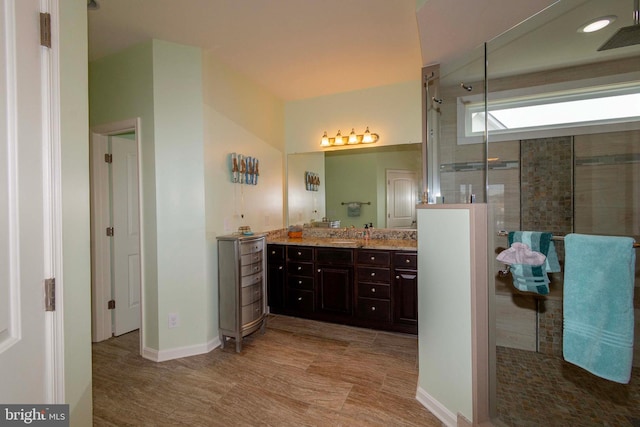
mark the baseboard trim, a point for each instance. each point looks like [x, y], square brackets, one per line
[447, 417]
[179, 352]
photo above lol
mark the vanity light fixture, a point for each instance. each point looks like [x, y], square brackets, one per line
[597, 24]
[353, 138]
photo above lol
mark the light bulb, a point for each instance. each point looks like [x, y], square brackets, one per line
[339, 140]
[353, 138]
[325, 140]
[366, 138]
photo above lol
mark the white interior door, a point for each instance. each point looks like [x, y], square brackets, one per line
[401, 199]
[23, 147]
[126, 236]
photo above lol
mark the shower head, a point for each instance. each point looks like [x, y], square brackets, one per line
[625, 36]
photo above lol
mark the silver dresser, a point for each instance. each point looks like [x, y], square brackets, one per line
[242, 302]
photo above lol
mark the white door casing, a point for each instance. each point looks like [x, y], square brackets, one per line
[401, 198]
[31, 348]
[126, 238]
[101, 268]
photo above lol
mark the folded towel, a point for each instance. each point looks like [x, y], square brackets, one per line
[353, 209]
[533, 278]
[598, 305]
[519, 253]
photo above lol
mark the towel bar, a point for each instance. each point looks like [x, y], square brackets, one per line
[557, 238]
[360, 203]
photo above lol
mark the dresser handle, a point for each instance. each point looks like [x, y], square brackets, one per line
[299, 298]
[373, 309]
[373, 290]
[319, 270]
[280, 268]
[299, 282]
[373, 258]
[373, 274]
[299, 268]
[299, 253]
[273, 252]
[407, 260]
[397, 277]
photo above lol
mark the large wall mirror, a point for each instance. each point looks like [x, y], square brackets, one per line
[358, 186]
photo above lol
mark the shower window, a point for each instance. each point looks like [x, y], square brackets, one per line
[542, 112]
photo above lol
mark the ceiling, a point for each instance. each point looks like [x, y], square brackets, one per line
[299, 49]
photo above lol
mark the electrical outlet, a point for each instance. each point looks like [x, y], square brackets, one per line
[174, 320]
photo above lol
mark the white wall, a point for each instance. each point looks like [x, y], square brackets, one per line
[393, 112]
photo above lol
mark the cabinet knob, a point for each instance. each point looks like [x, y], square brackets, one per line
[397, 277]
[299, 282]
[373, 274]
[407, 260]
[373, 290]
[280, 268]
[273, 252]
[373, 258]
[299, 253]
[255, 268]
[373, 309]
[319, 270]
[299, 298]
[299, 268]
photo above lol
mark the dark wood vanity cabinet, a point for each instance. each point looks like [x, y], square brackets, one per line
[372, 288]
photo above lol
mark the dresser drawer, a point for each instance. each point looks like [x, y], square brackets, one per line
[247, 270]
[251, 258]
[405, 260]
[374, 274]
[251, 294]
[374, 290]
[299, 253]
[374, 309]
[300, 300]
[378, 258]
[334, 256]
[251, 246]
[251, 312]
[300, 282]
[300, 268]
[252, 279]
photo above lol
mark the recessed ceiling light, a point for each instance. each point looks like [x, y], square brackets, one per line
[596, 24]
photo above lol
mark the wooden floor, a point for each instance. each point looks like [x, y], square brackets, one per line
[299, 373]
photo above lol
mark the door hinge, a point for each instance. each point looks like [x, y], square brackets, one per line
[108, 158]
[50, 294]
[110, 231]
[111, 305]
[45, 30]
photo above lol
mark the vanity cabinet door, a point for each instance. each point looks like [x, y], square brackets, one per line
[334, 289]
[406, 297]
[276, 277]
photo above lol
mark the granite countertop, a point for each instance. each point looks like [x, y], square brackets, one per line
[388, 244]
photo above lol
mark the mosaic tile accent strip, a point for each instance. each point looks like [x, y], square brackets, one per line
[546, 182]
[614, 159]
[350, 233]
[550, 327]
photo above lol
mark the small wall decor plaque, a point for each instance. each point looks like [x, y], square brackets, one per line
[244, 169]
[312, 181]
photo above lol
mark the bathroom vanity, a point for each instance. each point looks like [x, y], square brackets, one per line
[371, 285]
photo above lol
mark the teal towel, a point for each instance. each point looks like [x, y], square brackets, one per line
[533, 278]
[598, 305]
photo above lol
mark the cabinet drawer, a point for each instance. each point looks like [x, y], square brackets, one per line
[251, 246]
[374, 290]
[405, 260]
[381, 258]
[275, 252]
[334, 256]
[300, 268]
[247, 270]
[251, 294]
[300, 300]
[374, 309]
[300, 282]
[299, 253]
[373, 274]
[251, 258]
[251, 312]
[251, 280]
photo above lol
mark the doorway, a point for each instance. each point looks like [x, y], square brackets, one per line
[117, 256]
[402, 187]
